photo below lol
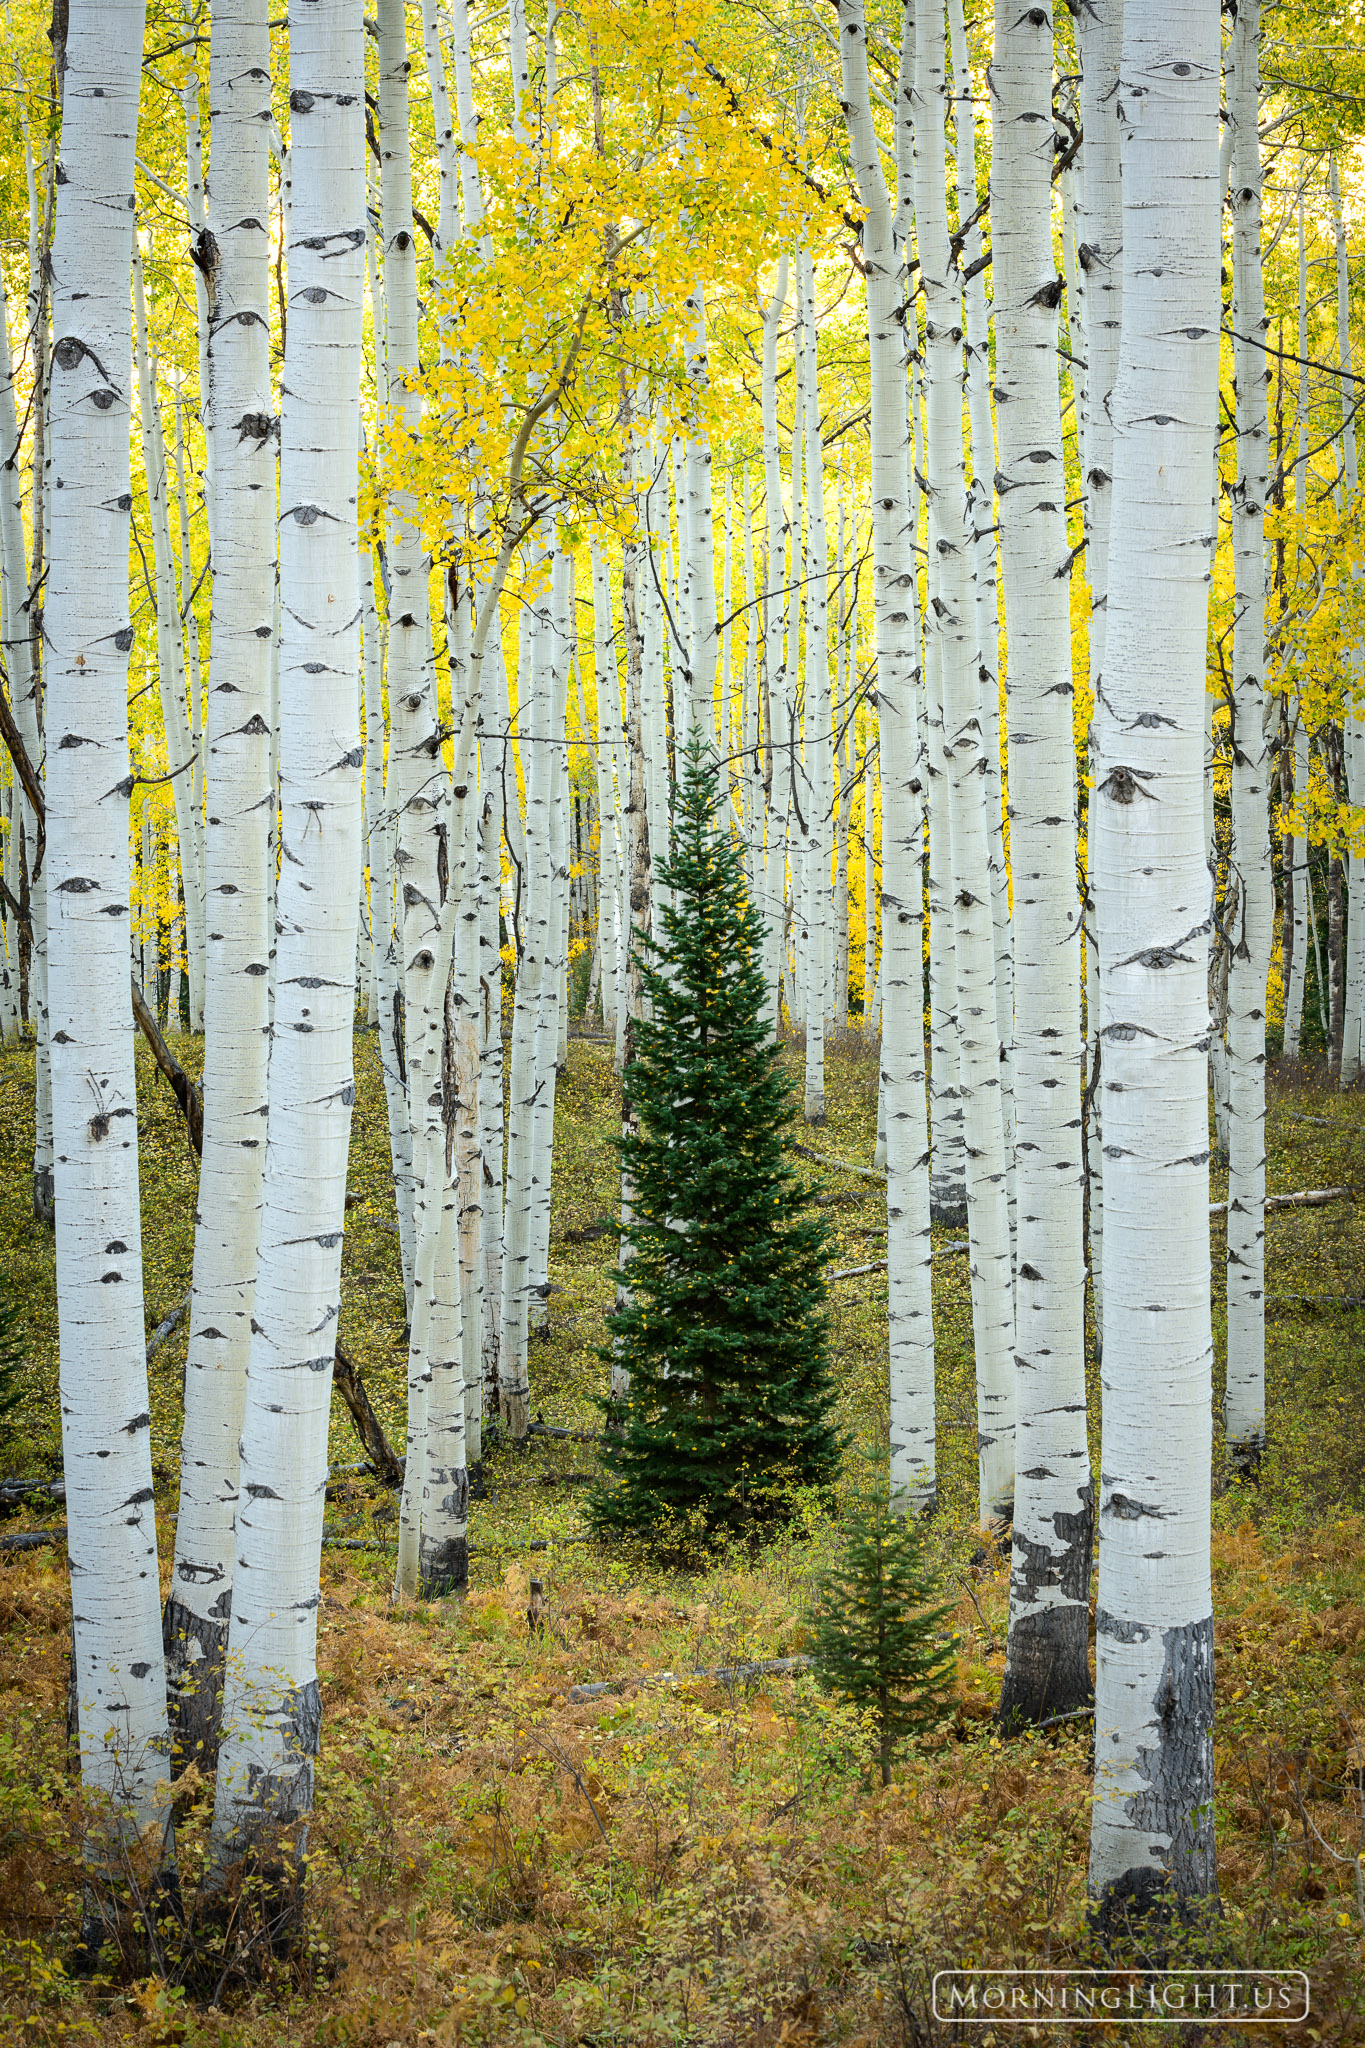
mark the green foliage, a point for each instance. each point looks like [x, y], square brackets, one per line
[723, 1330]
[877, 1640]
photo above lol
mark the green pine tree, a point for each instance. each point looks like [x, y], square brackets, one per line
[723, 1331]
[877, 1639]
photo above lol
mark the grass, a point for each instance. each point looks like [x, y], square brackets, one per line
[493, 1860]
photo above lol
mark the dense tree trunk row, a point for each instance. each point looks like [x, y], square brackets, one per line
[424, 783]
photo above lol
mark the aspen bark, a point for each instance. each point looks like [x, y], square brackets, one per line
[1047, 1667]
[419, 785]
[819, 753]
[1299, 882]
[775, 869]
[1100, 264]
[170, 657]
[1253, 933]
[234, 257]
[1152, 1823]
[1353, 728]
[119, 1672]
[272, 1708]
[913, 1476]
[953, 635]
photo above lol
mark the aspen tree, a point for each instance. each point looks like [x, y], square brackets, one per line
[170, 656]
[775, 870]
[1296, 846]
[551, 767]
[1252, 935]
[119, 1671]
[702, 620]
[819, 756]
[419, 788]
[233, 252]
[22, 689]
[1152, 1824]
[952, 636]
[1099, 32]
[1047, 1669]
[533, 720]
[981, 516]
[272, 1709]
[913, 1478]
[1353, 729]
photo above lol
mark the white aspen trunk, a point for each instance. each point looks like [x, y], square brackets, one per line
[1047, 1667]
[170, 647]
[1353, 728]
[199, 221]
[871, 778]
[443, 1547]
[455, 1322]
[637, 902]
[963, 751]
[11, 815]
[1296, 845]
[447, 155]
[725, 711]
[948, 1160]
[1100, 35]
[150, 949]
[913, 1476]
[981, 517]
[533, 695]
[382, 844]
[819, 719]
[419, 786]
[793, 801]
[1244, 1406]
[119, 1671]
[610, 765]
[1152, 1822]
[272, 1709]
[702, 623]
[752, 732]
[654, 691]
[235, 249]
[845, 754]
[775, 871]
[552, 767]
[377, 896]
[188, 625]
[22, 690]
[490, 1094]
[26, 696]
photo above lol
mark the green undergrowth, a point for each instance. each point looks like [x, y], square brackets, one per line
[695, 1859]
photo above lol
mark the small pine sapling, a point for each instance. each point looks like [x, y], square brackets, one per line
[877, 1639]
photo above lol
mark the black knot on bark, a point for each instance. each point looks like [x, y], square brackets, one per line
[1049, 294]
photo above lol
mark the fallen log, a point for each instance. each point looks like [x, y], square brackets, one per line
[1307, 1198]
[840, 1165]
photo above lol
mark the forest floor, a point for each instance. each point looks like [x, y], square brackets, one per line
[694, 1859]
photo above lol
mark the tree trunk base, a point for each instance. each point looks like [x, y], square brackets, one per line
[1245, 1457]
[1047, 1669]
[444, 1567]
[195, 1652]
